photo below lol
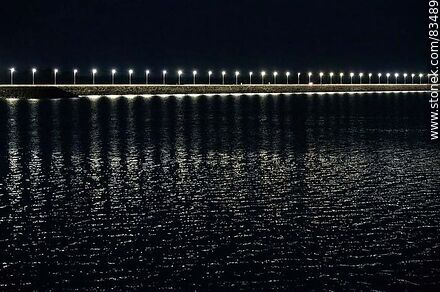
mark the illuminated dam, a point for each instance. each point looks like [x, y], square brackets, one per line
[65, 91]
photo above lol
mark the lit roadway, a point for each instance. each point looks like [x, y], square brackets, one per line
[65, 91]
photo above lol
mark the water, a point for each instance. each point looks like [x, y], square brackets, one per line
[328, 192]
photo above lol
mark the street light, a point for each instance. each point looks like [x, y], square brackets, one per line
[12, 70]
[351, 77]
[75, 72]
[55, 72]
[147, 75]
[287, 77]
[396, 76]
[34, 70]
[379, 76]
[299, 79]
[209, 77]
[321, 74]
[275, 74]
[405, 75]
[113, 76]
[263, 73]
[130, 73]
[236, 77]
[223, 77]
[370, 75]
[388, 78]
[164, 75]
[331, 77]
[420, 77]
[412, 78]
[310, 77]
[341, 76]
[361, 75]
[179, 74]
[194, 76]
[250, 77]
[94, 71]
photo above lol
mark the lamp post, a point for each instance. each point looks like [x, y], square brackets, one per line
[94, 71]
[164, 75]
[130, 73]
[275, 74]
[223, 77]
[412, 78]
[341, 78]
[388, 78]
[299, 77]
[331, 77]
[287, 77]
[396, 76]
[179, 74]
[113, 76]
[420, 77]
[194, 76]
[12, 70]
[75, 72]
[405, 75]
[361, 75]
[250, 77]
[236, 77]
[263, 73]
[370, 75]
[209, 77]
[379, 76]
[351, 77]
[55, 72]
[321, 74]
[147, 75]
[34, 70]
[310, 77]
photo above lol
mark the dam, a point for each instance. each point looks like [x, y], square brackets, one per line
[66, 91]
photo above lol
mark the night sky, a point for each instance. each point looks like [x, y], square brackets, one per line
[227, 34]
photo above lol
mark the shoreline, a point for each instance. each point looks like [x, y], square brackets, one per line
[66, 91]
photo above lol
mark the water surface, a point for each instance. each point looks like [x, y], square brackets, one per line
[324, 192]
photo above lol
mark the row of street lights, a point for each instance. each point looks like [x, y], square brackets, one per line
[237, 74]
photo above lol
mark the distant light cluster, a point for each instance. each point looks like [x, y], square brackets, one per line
[324, 78]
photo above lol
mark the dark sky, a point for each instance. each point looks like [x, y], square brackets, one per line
[229, 34]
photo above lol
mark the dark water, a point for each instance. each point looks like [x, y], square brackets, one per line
[204, 193]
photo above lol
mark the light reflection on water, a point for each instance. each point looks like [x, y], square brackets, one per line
[256, 192]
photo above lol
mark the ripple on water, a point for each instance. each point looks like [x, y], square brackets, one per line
[328, 192]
